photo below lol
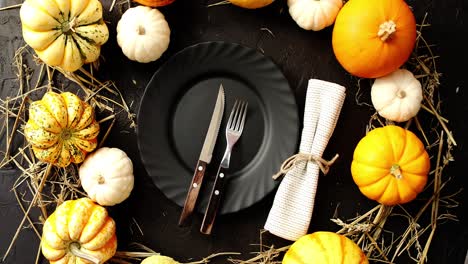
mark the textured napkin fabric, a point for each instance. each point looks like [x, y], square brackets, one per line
[292, 208]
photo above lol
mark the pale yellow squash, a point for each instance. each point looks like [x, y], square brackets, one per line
[66, 34]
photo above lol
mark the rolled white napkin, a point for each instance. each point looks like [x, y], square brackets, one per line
[292, 208]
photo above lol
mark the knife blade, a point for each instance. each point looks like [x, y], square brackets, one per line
[204, 158]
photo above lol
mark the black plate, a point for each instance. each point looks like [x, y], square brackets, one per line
[175, 112]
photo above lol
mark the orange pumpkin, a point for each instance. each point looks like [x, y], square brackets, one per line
[373, 38]
[251, 4]
[324, 247]
[154, 3]
[390, 165]
[79, 231]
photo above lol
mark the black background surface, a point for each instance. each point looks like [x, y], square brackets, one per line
[301, 55]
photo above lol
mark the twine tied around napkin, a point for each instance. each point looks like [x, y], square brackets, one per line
[293, 205]
[292, 161]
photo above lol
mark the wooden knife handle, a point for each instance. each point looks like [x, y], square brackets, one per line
[215, 200]
[194, 189]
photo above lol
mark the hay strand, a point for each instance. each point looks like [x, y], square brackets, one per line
[10, 7]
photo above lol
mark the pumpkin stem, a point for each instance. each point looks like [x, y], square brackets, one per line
[395, 170]
[141, 30]
[66, 134]
[101, 180]
[69, 26]
[74, 248]
[386, 30]
[401, 94]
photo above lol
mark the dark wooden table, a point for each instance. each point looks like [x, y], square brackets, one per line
[301, 55]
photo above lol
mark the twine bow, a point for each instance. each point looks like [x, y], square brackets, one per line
[292, 161]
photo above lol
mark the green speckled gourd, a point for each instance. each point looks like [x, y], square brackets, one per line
[66, 34]
[61, 128]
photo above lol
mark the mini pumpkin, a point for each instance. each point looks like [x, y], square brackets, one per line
[314, 15]
[61, 128]
[251, 4]
[155, 3]
[390, 165]
[143, 34]
[397, 96]
[159, 259]
[325, 248]
[107, 176]
[66, 34]
[377, 43]
[79, 231]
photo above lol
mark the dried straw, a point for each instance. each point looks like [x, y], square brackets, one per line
[47, 185]
[219, 3]
[143, 252]
[382, 245]
[10, 7]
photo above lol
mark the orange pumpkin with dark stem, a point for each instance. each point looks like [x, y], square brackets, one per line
[373, 38]
[154, 3]
[390, 165]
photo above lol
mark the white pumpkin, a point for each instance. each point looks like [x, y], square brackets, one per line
[314, 14]
[397, 96]
[107, 176]
[143, 34]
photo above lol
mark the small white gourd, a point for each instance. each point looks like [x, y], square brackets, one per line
[397, 96]
[143, 34]
[314, 14]
[107, 176]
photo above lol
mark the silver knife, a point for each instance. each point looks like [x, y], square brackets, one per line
[205, 157]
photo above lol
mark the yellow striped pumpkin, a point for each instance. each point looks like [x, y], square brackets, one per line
[323, 247]
[79, 231]
[66, 34]
[61, 128]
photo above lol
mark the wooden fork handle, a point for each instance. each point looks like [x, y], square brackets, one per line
[193, 191]
[214, 203]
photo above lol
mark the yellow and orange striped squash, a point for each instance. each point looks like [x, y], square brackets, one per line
[323, 247]
[61, 128]
[390, 165]
[79, 232]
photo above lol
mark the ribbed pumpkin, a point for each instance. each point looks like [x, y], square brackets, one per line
[251, 4]
[79, 231]
[324, 247]
[107, 176]
[154, 3]
[64, 33]
[61, 128]
[159, 259]
[143, 34]
[373, 38]
[390, 165]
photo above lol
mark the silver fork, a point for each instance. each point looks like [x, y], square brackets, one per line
[234, 129]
